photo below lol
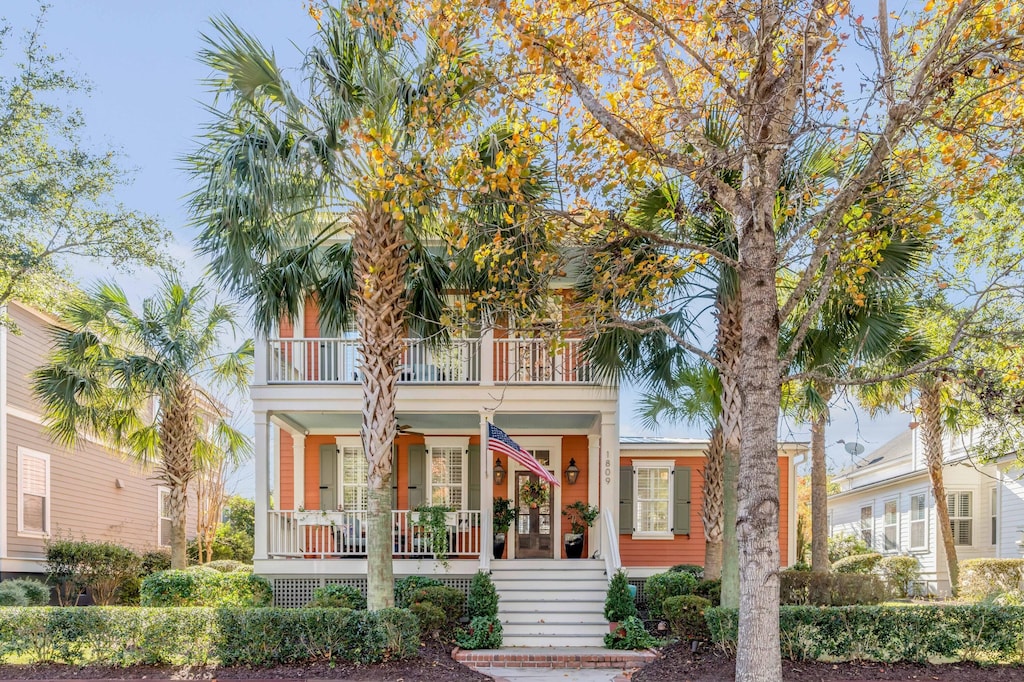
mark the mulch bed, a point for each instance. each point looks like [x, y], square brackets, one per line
[708, 664]
[434, 664]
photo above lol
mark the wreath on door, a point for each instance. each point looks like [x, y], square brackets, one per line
[533, 493]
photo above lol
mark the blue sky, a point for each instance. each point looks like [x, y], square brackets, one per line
[147, 102]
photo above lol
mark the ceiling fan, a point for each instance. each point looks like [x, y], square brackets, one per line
[406, 430]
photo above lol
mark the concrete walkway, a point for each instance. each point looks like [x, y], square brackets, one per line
[549, 674]
[570, 664]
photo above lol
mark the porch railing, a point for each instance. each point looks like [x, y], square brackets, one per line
[342, 534]
[461, 361]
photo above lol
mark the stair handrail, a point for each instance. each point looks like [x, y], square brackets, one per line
[612, 561]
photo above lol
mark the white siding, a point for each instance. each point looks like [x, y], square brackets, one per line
[1011, 518]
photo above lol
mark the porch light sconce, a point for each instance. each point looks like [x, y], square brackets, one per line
[499, 472]
[572, 472]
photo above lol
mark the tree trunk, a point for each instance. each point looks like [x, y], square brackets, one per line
[178, 434]
[711, 509]
[380, 302]
[819, 489]
[757, 519]
[729, 340]
[931, 436]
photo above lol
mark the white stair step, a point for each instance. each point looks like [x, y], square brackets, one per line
[542, 619]
[547, 607]
[546, 583]
[554, 629]
[547, 565]
[556, 595]
[542, 641]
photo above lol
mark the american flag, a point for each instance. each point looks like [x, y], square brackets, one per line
[499, 442]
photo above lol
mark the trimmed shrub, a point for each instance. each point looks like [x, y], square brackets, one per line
[630, 635]
[898, 572]
[228, 565]
[981, 578]
[24, 592]
[448, 599]
[829, 589]
[337, 597]
[842, 546]
[685, 616]
[661, 586]
[483, 632]
[432, 620]
[693, 569]
[710, 590]
[404, 587]
[483, 598]
[202, 586]
[619, 603]
[124, 636]
[104, 568]
[858, 563]
[889, 633]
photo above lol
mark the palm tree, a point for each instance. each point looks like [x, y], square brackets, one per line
[135, 379]
[335, 195]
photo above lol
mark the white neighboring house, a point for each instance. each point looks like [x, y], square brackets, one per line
[887, 501]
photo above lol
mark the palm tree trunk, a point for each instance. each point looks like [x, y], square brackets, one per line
[757, 528]
[178, 435]
[379, 302]
[931, 434]
[819, 489]
[711, 509]
[729, 340]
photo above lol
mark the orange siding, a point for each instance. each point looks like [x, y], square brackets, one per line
[689, 549]
[578, 448]
[311, 322]
[286, 495]
[285, 328]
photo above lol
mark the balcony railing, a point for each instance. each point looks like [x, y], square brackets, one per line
[342, 534]
[461, 361]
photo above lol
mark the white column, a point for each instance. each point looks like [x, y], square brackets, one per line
[609, 471]
[275, 450]
[594, 474]
[259, 359]
[487, 358]
[261, 459]
[298, 470]
[486, 496]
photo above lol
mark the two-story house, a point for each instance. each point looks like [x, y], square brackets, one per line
[887, 501]
[46, 490]
[541, 392]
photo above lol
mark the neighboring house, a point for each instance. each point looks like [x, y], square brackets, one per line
[888, 502]
[46, 490]
[307, 403]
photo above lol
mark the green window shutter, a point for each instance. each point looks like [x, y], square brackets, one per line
[417, 475]
[473, 495]
[329, 477]
[681, 501]
[626, 500]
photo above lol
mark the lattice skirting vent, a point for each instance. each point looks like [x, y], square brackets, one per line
[297, 592]
[641, 598]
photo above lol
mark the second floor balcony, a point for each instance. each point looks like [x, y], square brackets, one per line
[484, 361]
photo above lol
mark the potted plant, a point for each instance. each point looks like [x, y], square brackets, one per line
[534, 493]
[581, 517]
[504, 516]
[619, 604]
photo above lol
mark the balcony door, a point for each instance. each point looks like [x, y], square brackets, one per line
[534, 526]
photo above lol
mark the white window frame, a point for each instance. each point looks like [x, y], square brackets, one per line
[668, 465]
[24, 453]
[970, 519]
[870, 528]
[923, 521]
[830, 525]
[993, 514]
[160, 492]
[460, 443]
[353, 442]
[886, 525]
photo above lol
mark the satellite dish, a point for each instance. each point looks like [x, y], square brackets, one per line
[854, 448]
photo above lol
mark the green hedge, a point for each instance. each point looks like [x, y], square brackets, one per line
[806, 588]
[981, 578]
[200, 586]
[685, 616]
[889, 633]
[858, 563]
[661, 586]
[196, 636]
[24, 592]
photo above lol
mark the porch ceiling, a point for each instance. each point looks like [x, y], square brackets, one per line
[350, 421]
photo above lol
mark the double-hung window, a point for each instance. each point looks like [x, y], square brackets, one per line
[653, 495]
[891, 525]
[961, 518]
[33, 492]
[867, 525]
[354, 469]
[993, 512]
[919, 521]
[164, 517]
[448, 472]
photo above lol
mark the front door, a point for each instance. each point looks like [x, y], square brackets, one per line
[533, 525]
